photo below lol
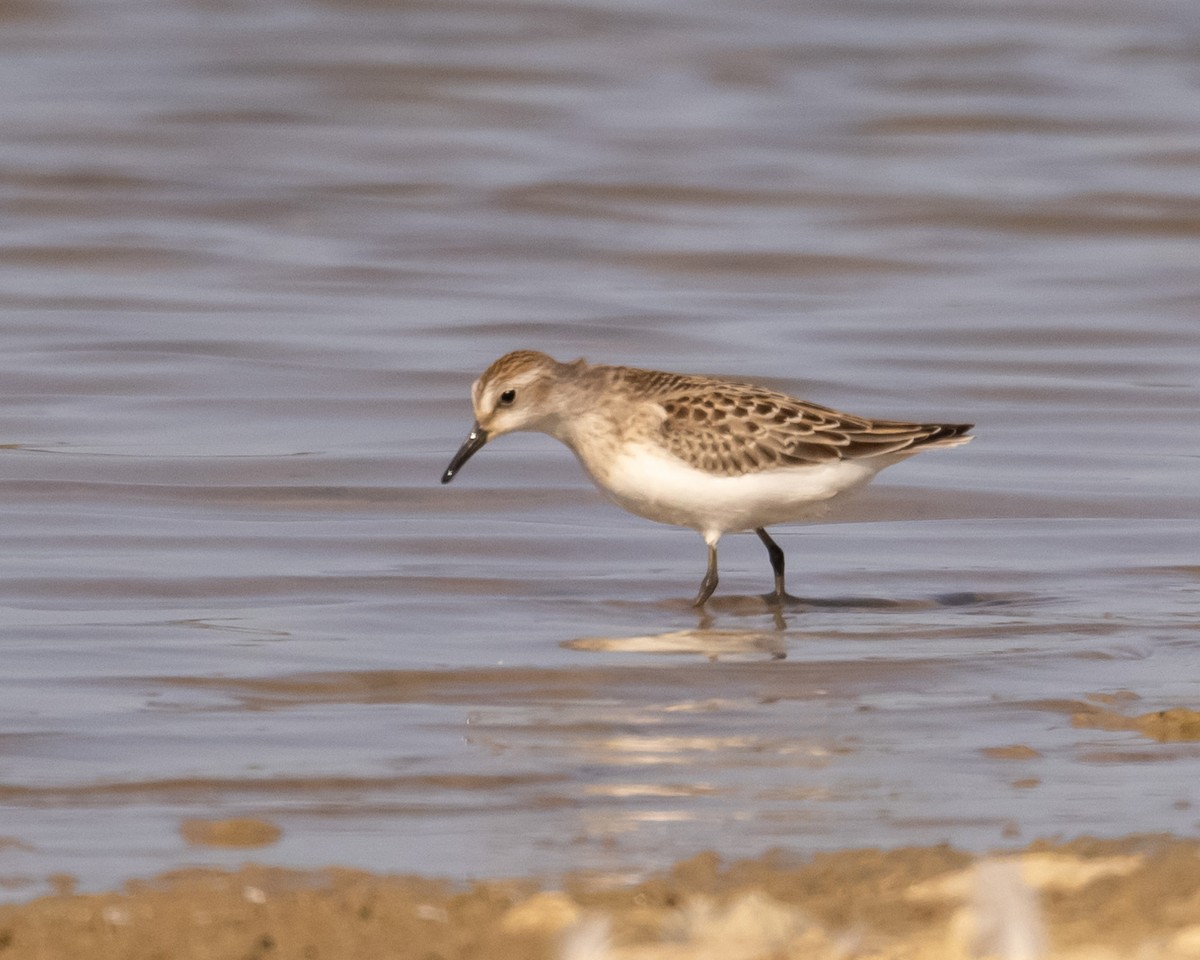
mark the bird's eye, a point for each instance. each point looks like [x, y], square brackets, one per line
[507, 398]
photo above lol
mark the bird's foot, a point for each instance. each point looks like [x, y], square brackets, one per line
[784, 599]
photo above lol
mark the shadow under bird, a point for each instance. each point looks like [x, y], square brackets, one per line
[707, 453]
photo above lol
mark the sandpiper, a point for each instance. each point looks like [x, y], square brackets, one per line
[714, 455]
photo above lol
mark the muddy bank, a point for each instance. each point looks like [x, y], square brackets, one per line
[1137, 896]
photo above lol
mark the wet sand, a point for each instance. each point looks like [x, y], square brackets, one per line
[1088, 898]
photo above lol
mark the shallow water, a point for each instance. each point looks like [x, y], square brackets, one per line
[254, 255]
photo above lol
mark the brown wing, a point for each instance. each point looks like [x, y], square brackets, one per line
[733, 429]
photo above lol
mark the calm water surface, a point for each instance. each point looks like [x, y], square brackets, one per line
[254, 255]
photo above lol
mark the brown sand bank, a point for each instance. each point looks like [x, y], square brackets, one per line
[1134, 897]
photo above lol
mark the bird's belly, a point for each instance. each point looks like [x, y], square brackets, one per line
[663, 488]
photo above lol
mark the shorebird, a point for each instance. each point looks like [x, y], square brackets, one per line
[711, 454]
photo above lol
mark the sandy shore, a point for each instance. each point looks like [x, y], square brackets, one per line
[1139, 896]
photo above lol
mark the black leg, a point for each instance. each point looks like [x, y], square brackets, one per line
[709, 583]
[776, 555]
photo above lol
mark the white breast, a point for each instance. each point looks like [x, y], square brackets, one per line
[654, 484]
